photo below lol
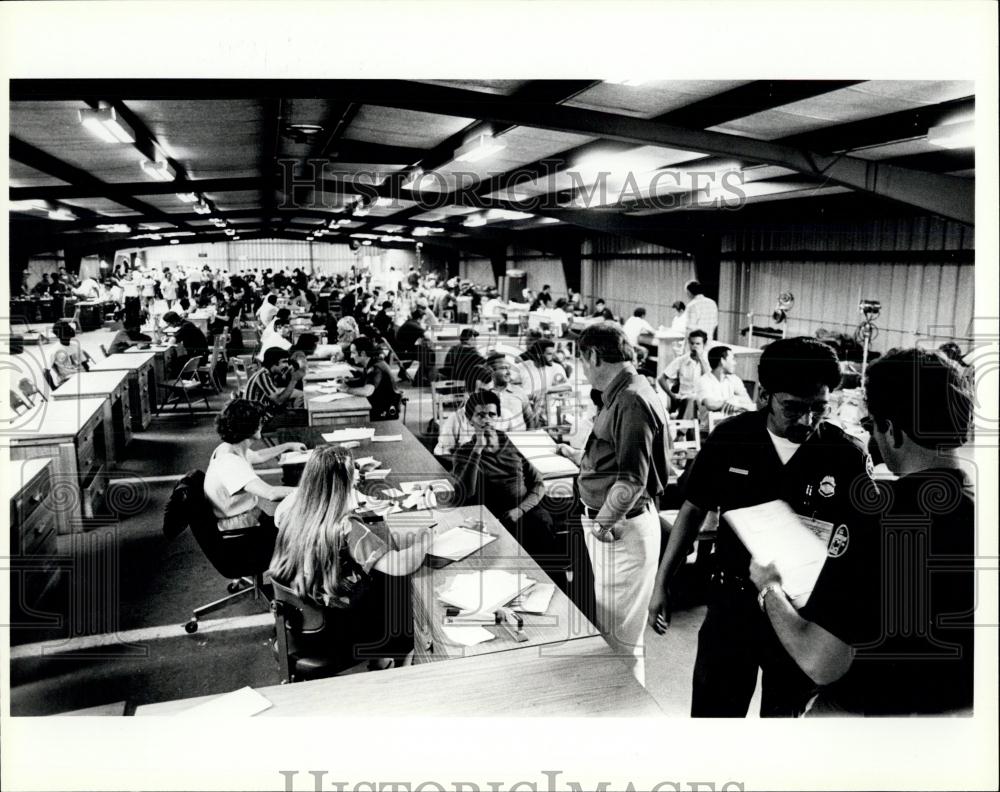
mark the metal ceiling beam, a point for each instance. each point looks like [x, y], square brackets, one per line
[273, 123]
[944, 195]
[130, 189]
[46, 163]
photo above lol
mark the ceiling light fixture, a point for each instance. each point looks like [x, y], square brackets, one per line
[62, 213]
[478, 148]
[105, 123]
[411, 181]
[474, 221]
[236, 237]
[160, 169]
[201, 207]
[383, 203]
[114, 228]
[953, 136]
[175, 241]
[366, 241]
[188, 197]
[230, 232]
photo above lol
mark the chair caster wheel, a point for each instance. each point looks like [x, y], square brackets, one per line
[191, 626]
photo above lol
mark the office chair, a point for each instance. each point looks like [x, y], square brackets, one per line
[305, 645]
[242, 554]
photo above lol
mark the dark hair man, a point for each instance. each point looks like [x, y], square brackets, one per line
[904, 595]
[782, 452]
[374, 381]
[273, 385]
[622, 470]
[702, 312]
[187, 335]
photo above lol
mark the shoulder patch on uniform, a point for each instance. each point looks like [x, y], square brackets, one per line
[827, 486]
[838, 542]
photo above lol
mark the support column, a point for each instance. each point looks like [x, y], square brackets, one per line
[572, 266]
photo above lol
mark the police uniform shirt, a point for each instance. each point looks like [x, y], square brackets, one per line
[738, 466]
[905, 601]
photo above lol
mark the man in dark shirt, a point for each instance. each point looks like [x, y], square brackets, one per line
[783, 452]
[463, 357]
[409, 333]
[493, 473]
[384, 323]
[622, 470]
[905, 637]
[188, 335]
[375, 381]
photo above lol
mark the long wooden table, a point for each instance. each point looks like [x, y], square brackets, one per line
[580, 679]
[410, 461]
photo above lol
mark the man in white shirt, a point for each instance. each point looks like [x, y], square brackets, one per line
[680, 379]
[268, 309]
[636, 325]
[89, 289]
[277, 337]
[721, 390]
[702, 312]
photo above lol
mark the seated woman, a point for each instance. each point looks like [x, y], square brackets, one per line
[69, 357]
[327, 556]
[231, 484]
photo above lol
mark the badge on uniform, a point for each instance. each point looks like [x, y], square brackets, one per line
[827, 486]
[838, 542]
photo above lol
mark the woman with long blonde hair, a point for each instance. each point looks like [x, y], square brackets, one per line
[326, 555]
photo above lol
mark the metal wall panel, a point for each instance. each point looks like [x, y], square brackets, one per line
[628, 273]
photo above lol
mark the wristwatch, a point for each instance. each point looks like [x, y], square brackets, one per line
[762, 596]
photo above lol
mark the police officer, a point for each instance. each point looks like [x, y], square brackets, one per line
[782, 452]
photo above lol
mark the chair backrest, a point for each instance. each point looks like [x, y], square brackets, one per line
[689, 428]
[714, 418]
[190, 369]
[104, 349]
[447, 396]
[50, 378]
[29, 391]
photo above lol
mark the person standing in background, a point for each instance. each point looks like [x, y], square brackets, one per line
[702, 312]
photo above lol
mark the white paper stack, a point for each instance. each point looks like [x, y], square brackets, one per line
[540, 449]
[387, 438]
[326, 398]
[458, 542]
[483, 591]
[773, 533]
[346, 435]
[536, 599]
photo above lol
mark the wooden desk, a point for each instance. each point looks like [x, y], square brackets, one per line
[117, 411]
[142, 383]
[163, 365]
[580, 680]
[410, 461]
[330, 371]
[32, 529]
[71, 431]
[353, 411]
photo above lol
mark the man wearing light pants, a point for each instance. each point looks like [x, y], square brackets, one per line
[622, 469]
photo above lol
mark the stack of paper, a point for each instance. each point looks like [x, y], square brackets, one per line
[387, 438]
[457, 543]
[378, 474]
[536, 599]
[483, 591]
[773, 533]
[540, 449]
[345, 435]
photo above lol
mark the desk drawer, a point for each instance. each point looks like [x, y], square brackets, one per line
[38, 534]
[94, 494]
[24, 505]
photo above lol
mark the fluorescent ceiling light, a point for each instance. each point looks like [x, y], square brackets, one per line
[202, 208]
[474, 221]
[507, 214]
[105, 123]
[230, 232]
[175, 241]
[479, 148]
[61, 214]
[159, 170]
[188, 197]
[953, 136]
[236, 237]
[383, 203]
[114, 228]
[366, 241]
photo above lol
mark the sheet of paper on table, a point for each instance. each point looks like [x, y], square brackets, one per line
[329, 397]
[295, 457]
[240, 703]
[467, 635]
[345, 435]
[387, 438]
[458, 542]
[483, 591]
[773, 533]
[437, 485]
[379, 474]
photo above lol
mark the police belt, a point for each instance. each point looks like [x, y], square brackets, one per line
[591, 514]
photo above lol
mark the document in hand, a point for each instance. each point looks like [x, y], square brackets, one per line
[295, 457]
[773, 533]
[457, 543]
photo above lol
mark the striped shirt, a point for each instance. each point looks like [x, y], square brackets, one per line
[261, 389]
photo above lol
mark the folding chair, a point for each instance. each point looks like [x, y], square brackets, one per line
[688, 444]
[188, 380]
[239, 368]
[217, 356]
[28, 390]
[447, 396]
